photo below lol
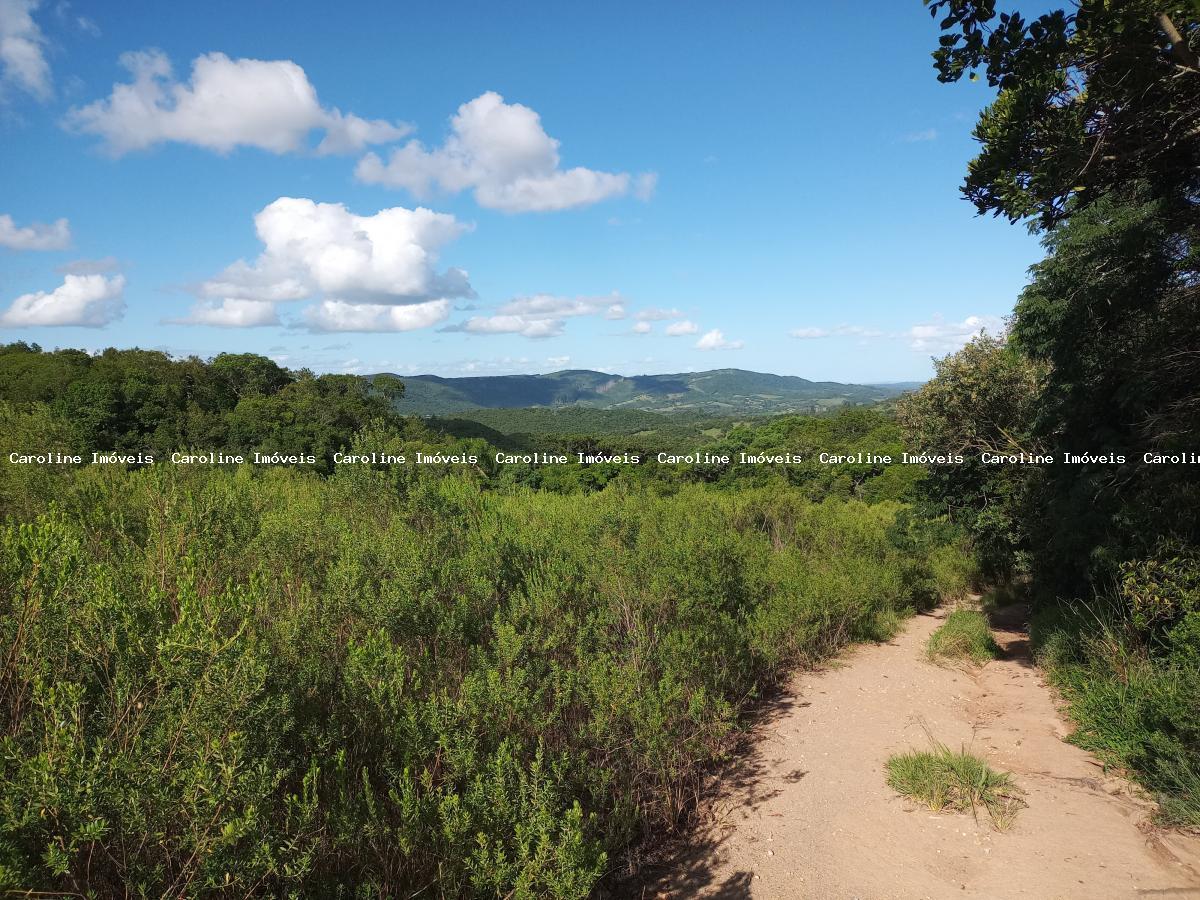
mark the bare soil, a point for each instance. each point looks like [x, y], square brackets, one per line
[807, 812]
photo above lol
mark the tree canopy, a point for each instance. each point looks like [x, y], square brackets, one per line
[1093, 99]
[146, 401]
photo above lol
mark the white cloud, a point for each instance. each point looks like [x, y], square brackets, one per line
[715, 340]
[22, 50]
[530, 328]
[348, 133]
[940, 336]
[810, 333]
[550, 306]
[65, 13]
[87, 300]
[838, 331]
[501, 152]
[559, 362]
[232, 312]
[506, 365]
[678, 329]
[87, 26]
[34, 236]
[654, 314]
[358, 266]
[645, 185]
[918, 137]
[338, 315]
[541, 315]
[227, 103]
[642, 328]
[937, 335]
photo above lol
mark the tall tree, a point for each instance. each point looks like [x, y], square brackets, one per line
[1094, 140]
[1092, 99]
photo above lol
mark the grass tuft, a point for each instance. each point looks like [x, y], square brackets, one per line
[1133, 709]
[965, 634]
[945, 779]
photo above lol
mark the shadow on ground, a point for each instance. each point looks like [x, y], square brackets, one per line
[1011, 626]
[684, 863]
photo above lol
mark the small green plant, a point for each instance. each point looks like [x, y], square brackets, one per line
[965, 634]
[944, 779]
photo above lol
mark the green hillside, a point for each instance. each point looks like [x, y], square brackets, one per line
[721, 391]
[579, 419]
[565, 427]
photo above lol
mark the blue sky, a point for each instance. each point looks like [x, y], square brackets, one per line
[377, 186]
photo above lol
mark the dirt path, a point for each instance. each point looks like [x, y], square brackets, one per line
[808, 814]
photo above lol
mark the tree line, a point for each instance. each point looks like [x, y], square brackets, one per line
[145, 400]
[1093, 142]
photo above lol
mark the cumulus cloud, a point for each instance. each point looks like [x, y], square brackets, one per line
[642, 328]
[35, 235]
[541, 315]
[227, 103]
[339, 315]
[560, 362]
[88, 300]
[678, 329]
[530, 328]
[233, 312]
[358, 267]
[500, 152]
[715, 340]
[22, 50]
[940, 336]
[550, 306]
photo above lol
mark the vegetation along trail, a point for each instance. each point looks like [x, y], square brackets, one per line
[808, 812]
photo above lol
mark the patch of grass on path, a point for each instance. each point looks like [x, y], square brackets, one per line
[965, 634]
[945, 779]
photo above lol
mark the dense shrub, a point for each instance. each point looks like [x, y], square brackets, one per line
[236, 681]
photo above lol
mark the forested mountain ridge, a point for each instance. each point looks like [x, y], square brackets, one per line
[715, 391]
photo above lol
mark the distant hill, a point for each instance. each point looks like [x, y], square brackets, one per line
[720, 391]
[579, 419]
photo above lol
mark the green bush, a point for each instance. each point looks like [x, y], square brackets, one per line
[263, 681]
[1162, 589]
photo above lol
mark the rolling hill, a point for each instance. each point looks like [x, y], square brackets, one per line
[720, 391]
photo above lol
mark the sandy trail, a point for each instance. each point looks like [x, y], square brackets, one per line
[808, 814]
